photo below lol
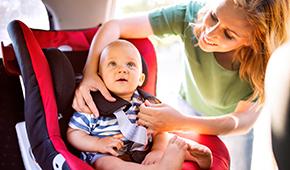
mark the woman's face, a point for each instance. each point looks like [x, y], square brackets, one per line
[226, 28]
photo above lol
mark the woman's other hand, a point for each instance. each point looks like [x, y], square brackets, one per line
[160, 117]
[83, 101]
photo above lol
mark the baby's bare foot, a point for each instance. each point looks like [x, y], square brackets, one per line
[174, 154]
[201, 154]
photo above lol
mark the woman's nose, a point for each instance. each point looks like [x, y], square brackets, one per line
[212, 31]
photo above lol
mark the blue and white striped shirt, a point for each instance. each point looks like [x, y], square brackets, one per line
[104, 126]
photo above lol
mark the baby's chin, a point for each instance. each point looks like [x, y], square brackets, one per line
[126, 95]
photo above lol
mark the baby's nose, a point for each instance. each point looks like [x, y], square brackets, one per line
[122, 70]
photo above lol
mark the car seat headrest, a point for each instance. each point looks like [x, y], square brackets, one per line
[63, 77]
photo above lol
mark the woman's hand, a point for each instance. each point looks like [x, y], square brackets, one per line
[83, 101]
[160, 117]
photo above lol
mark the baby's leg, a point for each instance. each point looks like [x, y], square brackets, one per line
[175, 151]
[109, 162]
[174, 154]
[199, 153]
[196, 152]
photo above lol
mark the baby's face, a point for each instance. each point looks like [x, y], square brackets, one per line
[121, 69]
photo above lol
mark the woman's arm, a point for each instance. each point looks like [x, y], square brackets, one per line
[161, 117]
[238, 122]
[135, 27]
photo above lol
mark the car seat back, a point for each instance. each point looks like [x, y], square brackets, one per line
[41, 110]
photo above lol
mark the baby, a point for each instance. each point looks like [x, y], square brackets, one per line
[103, 141]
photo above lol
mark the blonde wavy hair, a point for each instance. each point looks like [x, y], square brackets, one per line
[268, 18]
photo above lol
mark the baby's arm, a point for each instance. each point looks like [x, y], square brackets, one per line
[85, 142]
[160, 141]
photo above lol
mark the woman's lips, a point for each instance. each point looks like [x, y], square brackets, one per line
[208, 42]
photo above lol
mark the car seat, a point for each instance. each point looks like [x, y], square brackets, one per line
[44, 59]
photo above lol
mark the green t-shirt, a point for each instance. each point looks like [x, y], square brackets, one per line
[207, 86]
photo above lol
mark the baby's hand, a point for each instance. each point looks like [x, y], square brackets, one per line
[109, 145]
[153, 157]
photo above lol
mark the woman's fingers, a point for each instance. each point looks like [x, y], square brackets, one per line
[83, 101]
[104, 91]
[145, 110]
[149, 108]
[147, 103]
[145, 115]
[79, 103]
[144, 123]
[159, 117]
[89, 102]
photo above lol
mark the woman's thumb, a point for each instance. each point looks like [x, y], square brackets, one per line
[147, 103]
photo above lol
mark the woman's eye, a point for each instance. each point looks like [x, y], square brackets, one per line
[228, 36]
[213, 17]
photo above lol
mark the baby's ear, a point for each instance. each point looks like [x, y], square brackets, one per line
[141, 79]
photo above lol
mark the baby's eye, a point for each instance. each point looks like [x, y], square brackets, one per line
[131, 64]
[112, 63]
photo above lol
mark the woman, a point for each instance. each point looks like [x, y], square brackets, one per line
[227, 44]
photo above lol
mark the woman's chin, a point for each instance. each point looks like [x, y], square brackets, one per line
[205, 48]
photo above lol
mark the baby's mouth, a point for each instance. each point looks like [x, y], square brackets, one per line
[122, 80]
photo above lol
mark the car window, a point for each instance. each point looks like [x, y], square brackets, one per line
[32, 13]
